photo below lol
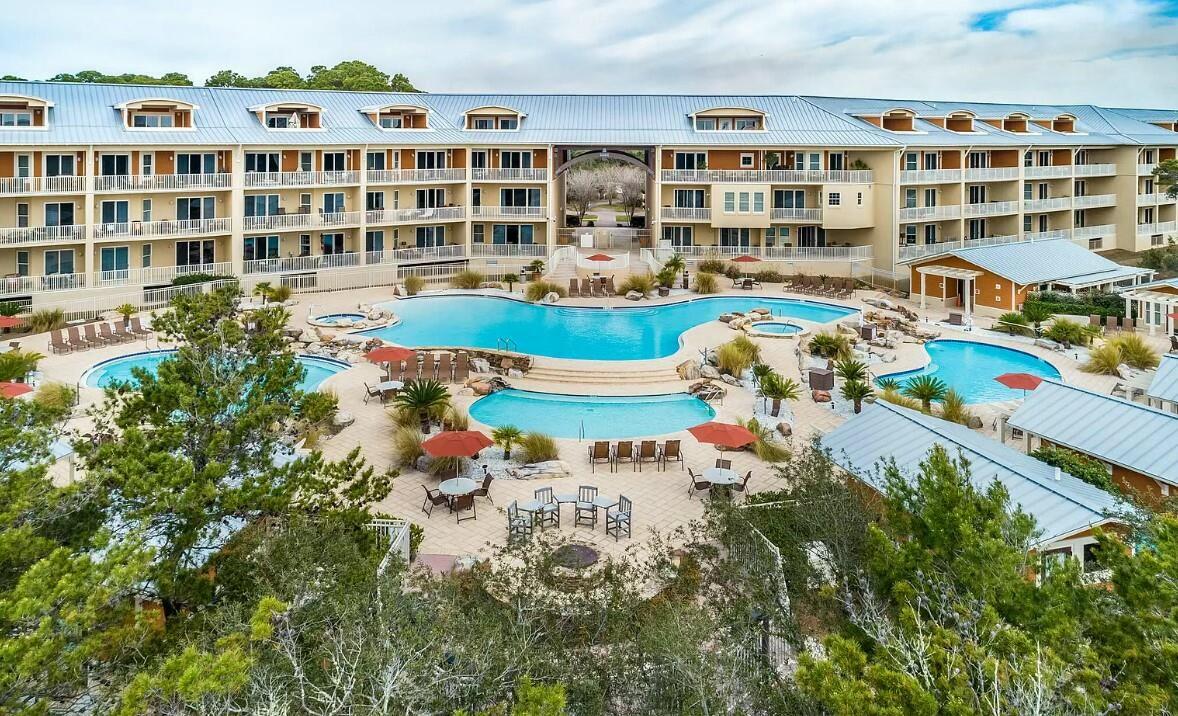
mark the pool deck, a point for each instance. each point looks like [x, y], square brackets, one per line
[660, 498]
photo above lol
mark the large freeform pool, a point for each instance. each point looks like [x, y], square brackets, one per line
[316, 369]
[970, 368]
[592, 417]
[578, 333]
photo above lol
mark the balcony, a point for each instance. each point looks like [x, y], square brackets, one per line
[1094, 201]
[161, 182]
[1158, 228]
[523, 251]
[158, 274]
[917, 251]
[930, 213]
[509, 174]
[991, 174]
[20, 186]
[766, 176]
[42, 235]
[806, 215]
[1144, 170]
[302, 263]
[281, 179]
[518, 213]
[1058, 203]
[1154, 199]
[152, 229]
[421, 254]
[292, 222]
[990, 208]
[11, 285]
[1048, 172]
[421, 176]
[685, 213]
[1095, 170]
[930, 176]
[405, 216]
[1087, 233]
[772, 253]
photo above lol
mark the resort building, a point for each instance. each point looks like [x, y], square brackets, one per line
[107, 190]
[1134, 441]
[1065, 508]
[1162, 392]
[1156, 303]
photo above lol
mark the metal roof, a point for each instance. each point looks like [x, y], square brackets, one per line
[883, 432]
[1164, 385]
[1030, 262]
[84, 113]
[1132, 435]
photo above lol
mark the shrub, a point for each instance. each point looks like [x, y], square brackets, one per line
[191, 278]
[444, 466]
[455, 418]
[1083, 304]
[56, 396]
[737, 355]
[642, 283]
[16, 364]
[953, 408]
[506, 437]
[705, 282]
[888, 384]
[537, 447]
[281, 293]
[407, 446]
[414, 284]
[1087, 469]
[537, 290]
[467, 279]
[1013, 323]
[1135, 351]
[1104, 359]
[748, 347]
[1067, 331]
[857, 391]
[9, 308]
[770, 276]
[895, 397]
[851, 370]
[666, 277]
[765, 446]
[927, 389]
[46, 319]
[318, 408]
[830, 345]
[711, 265]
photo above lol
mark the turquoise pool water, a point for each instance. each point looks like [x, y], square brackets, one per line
[970, 368]
[316, 369]
[777, 328]
[578, 333]
[333, 318]
[601, 417]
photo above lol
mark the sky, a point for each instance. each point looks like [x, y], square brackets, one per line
[1110, 52]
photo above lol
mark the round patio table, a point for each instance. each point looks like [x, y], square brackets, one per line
[721, 476]
[457, 486]
[387, 385]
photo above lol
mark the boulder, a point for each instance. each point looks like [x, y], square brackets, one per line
[738, 323]
[342, 419]
[707, 371]
[634, 296]
[880, 303]
[975, 422]
[688, 370]
[289, 331]
[551, 297]
[730, 380]
[820, 396]
[480, 365]
[762, 311]
[785, 429]
[308, 337]
[887, 357]
[481, 387]
[726, 317]
[465, 391]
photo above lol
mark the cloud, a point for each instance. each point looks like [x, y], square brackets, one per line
[1099, 51]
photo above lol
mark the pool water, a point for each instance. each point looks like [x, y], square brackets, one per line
[600, 417]
[333, 318]
[777, 328]
[577, 333]
[970, 369]
[316, 369]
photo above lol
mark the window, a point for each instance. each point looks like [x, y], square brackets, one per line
[977, 160]
[22, 215]
[932, 160]
[483, 123]
[151, 120]
[147, 164]
[1028, 223]
[515, 160]
[1052, 560]
[519, 197]
[61, 261]
[261, 204]
[331, 244]
[304, 244]
[977, 194]
[114, 261]
[16, 119]
[431, 198]
[691, 160]
[146, 210]
[1044, 159]
[1028, 158]
[834, 198]
[431, 159]
[1028, 191]
[747, 123]
[838, 161]
[815, 162]
[476, 196]
[59, 165]
[374, 201]
[304, 203]
[743, 202]
[478, 233]
[22, 263]
[260, 247]
[59, 214]
[735, 237]
[910, 164]
[910, 198]
[1080, 187]
[1079, 218]
[511, 234]
[689, 198]
[729, 202]
[930, 233]
[859, 198]
[390, 122]
[115, 212]
[1043, 222]
[306, 161]
[746, 161]
[263, 162]
[375, 161]
[478, 159]
[775, 233]
[145, 256]
[333, 202]
[428, 236]
[930, 197]
[759, 202]
[789, 199]
[909, 233]
[24, 165]
[679, 236]
[1148, 186]
[196, 207]
[1081, 156]
[275, 120]
[705, 124]
[374, 241]
[508, 123]
[195, 253]
[196, 164]
[114, 165]
[1147, 157]
[334, 162]
[1043, 190]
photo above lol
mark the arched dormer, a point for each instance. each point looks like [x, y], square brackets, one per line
[728, 119]
[1065, 123]
[157, 113]
[1016, 122]
[1167, 124]
[397, 116]
[23, 112]
[960, 121]
[493, 118]
[289, 115]
[900, 119]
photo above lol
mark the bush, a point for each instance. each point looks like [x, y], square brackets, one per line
[734, 357]
[1067, 331]
[281, 293]
[9, 308]
[455, 418]
[407, 446]
[56, 396]
[1135, 351]
[467, 279]
[537, 447]
[895, 397]
[1103, 359]
[191, 278]
[1013, 323]
[705, 282]
[711, 265]
[16, 364]
[765, 446]
[830, 345]
[770, 277]
[46, 319]
[1084, 304]
[1087, 469]
[414, 284]
[318, 408]
[733, 271]
[642, 283]
[537, 290]
[953, 408]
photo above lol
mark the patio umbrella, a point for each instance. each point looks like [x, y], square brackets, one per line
[599, 257]
[1173, 315]
[8, 389]
[722, 435]
[10, 321]
[389, 354]
[746, 259]
[1020, 381]
[456, 443]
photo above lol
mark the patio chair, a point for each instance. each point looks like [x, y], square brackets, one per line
[463, 503]
[446, 368]
[1094, 319]
[585, 512]
[586, 288]
[647, 452]
[138, 329]
[740, 486]
[427, 367]
[484, 490]
[623, 452]
[411, 369]
[58, 343]
[598, 452]
[598, 288]
[670, 452]
[698, 484]
[518, 526]
[462, 368]
[371, 392]
[574, 290]
[617, 518]
[723, 464]
[549, 513]
[76, 339]
[433, 498]
[91, 335]
[610, 289]
[1110, 324]
[118, 331]
[1127, 324]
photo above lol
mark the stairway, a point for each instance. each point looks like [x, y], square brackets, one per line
[580, 378]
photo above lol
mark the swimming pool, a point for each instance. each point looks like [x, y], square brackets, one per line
[590, 416]
[316, 369]
[970, 368]
[579, 333]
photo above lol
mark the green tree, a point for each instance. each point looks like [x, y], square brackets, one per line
[1087, 469]
[505, 436]
[1166, 173]
[926, 389]
[851, 370]
[426, 399]
[857, 391]
[351, 75]
[168, 78]
[777, 388]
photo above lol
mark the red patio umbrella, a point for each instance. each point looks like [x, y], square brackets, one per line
[1173, 315]
[599, 257]
[8, 389]
[389, 354]
[457, 443]
[746, 259]
[723, 435]
[1020, 381]
[10, 321]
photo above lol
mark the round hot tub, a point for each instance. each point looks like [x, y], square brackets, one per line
[775, 329]
[336, 319]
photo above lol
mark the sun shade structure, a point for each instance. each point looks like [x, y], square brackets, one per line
[1019, 381]
[746, 259]
[8, 389]
[456, 443]
[724, 435]
[389, 354]
[599, 257]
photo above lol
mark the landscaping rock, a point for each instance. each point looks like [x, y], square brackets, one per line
[634, 296]
[730, 380]
[342, 420]
[465, 391]
[880, 303]
[515, 373]
[688, 370]
[551, 297]
[820, 396]
[547, 470]
[887, 357]
[785, 429]
[975, 422]
[308, 337]
[481, 387]
[707, 371]
[726, 317]
[480, 365]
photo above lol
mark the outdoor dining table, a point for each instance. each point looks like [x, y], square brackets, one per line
[603, 502]
[457, 486]
[389, 385]
[721, 476]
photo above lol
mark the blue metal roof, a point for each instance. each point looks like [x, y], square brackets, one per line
[883, 432]
[85, 114]
[1132, 435]
[1030, 262]
[1164, 385]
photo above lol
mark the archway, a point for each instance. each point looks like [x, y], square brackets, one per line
[605, 188]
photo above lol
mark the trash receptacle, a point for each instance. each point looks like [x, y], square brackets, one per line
[821, 379]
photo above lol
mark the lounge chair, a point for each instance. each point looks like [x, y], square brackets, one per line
[118, 331]
[92, 336]
[574, 290]
[788, 283]
[462, 368]
[433, 498]
[427, 367]
[76, 339]
[1127, 324]
[598, 452]
[723, 464]
[598, 288]
[463, 503]
[670, 452]
[518, 526]
[647, 452]
[446, 368]
[698, 484]
[617, 518]
[411, 369]
[1094, 319]
[58, 343]
[586, 288]
[585, 511]
[1110, 324]
[484, 490]
[623, 452]
[138, 329]
[548, 514]
[610, 290]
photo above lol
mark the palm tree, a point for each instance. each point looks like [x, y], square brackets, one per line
[425, 398]
[926, 389]
[851, 370]
[856, 391]
[16, 364]
[505, 436]
[888, 384]
[1036, 313]
[676, 263]
[263, 290]
[777, 389]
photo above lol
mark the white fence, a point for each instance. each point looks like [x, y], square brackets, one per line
[604, 237]
[615, 263]
[394, 533]
[266, 179]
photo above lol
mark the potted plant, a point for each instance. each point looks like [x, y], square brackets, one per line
[537, 269]
[666, 279]
[126, 311]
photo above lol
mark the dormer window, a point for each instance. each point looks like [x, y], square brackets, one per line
[1016, 122]
[397, 116]
[157, 113]
[16, 118]
[899, 120]
[959, 122]
[493, 118]
[1065, 123]
[723, 119]
[20, 112]
[289, 116]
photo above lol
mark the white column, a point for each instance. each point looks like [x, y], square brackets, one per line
[362, 249]
[237, 210]
[967, 299]
[89, 260]
[922, 290]
[1128, 305]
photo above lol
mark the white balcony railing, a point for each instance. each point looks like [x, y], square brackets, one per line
[36, 284]
[991, 174]
[1144, 170]
[908, 252]
[416, 254]
[1054, 204]
[1156, 198]
[770, 176]
[796, 215]
[529, 174]
[276, 179]
[1095, 170]
[395, 176]
[929, 176]
[507, 212]
[772, 253]
[1083, 233]
[684, 213]
[1048, 235]
[158, 274]
[288, 222]
[528, 251]
[42, 234]
[930, 213]
[990, 208]
[1093, 201]
[161, 182]
[1157, 228]
[399, 216]
[302, 263]
[148, 229]
[1048, 172]
[42, 185]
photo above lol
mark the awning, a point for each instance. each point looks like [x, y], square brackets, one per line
[949, 272]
